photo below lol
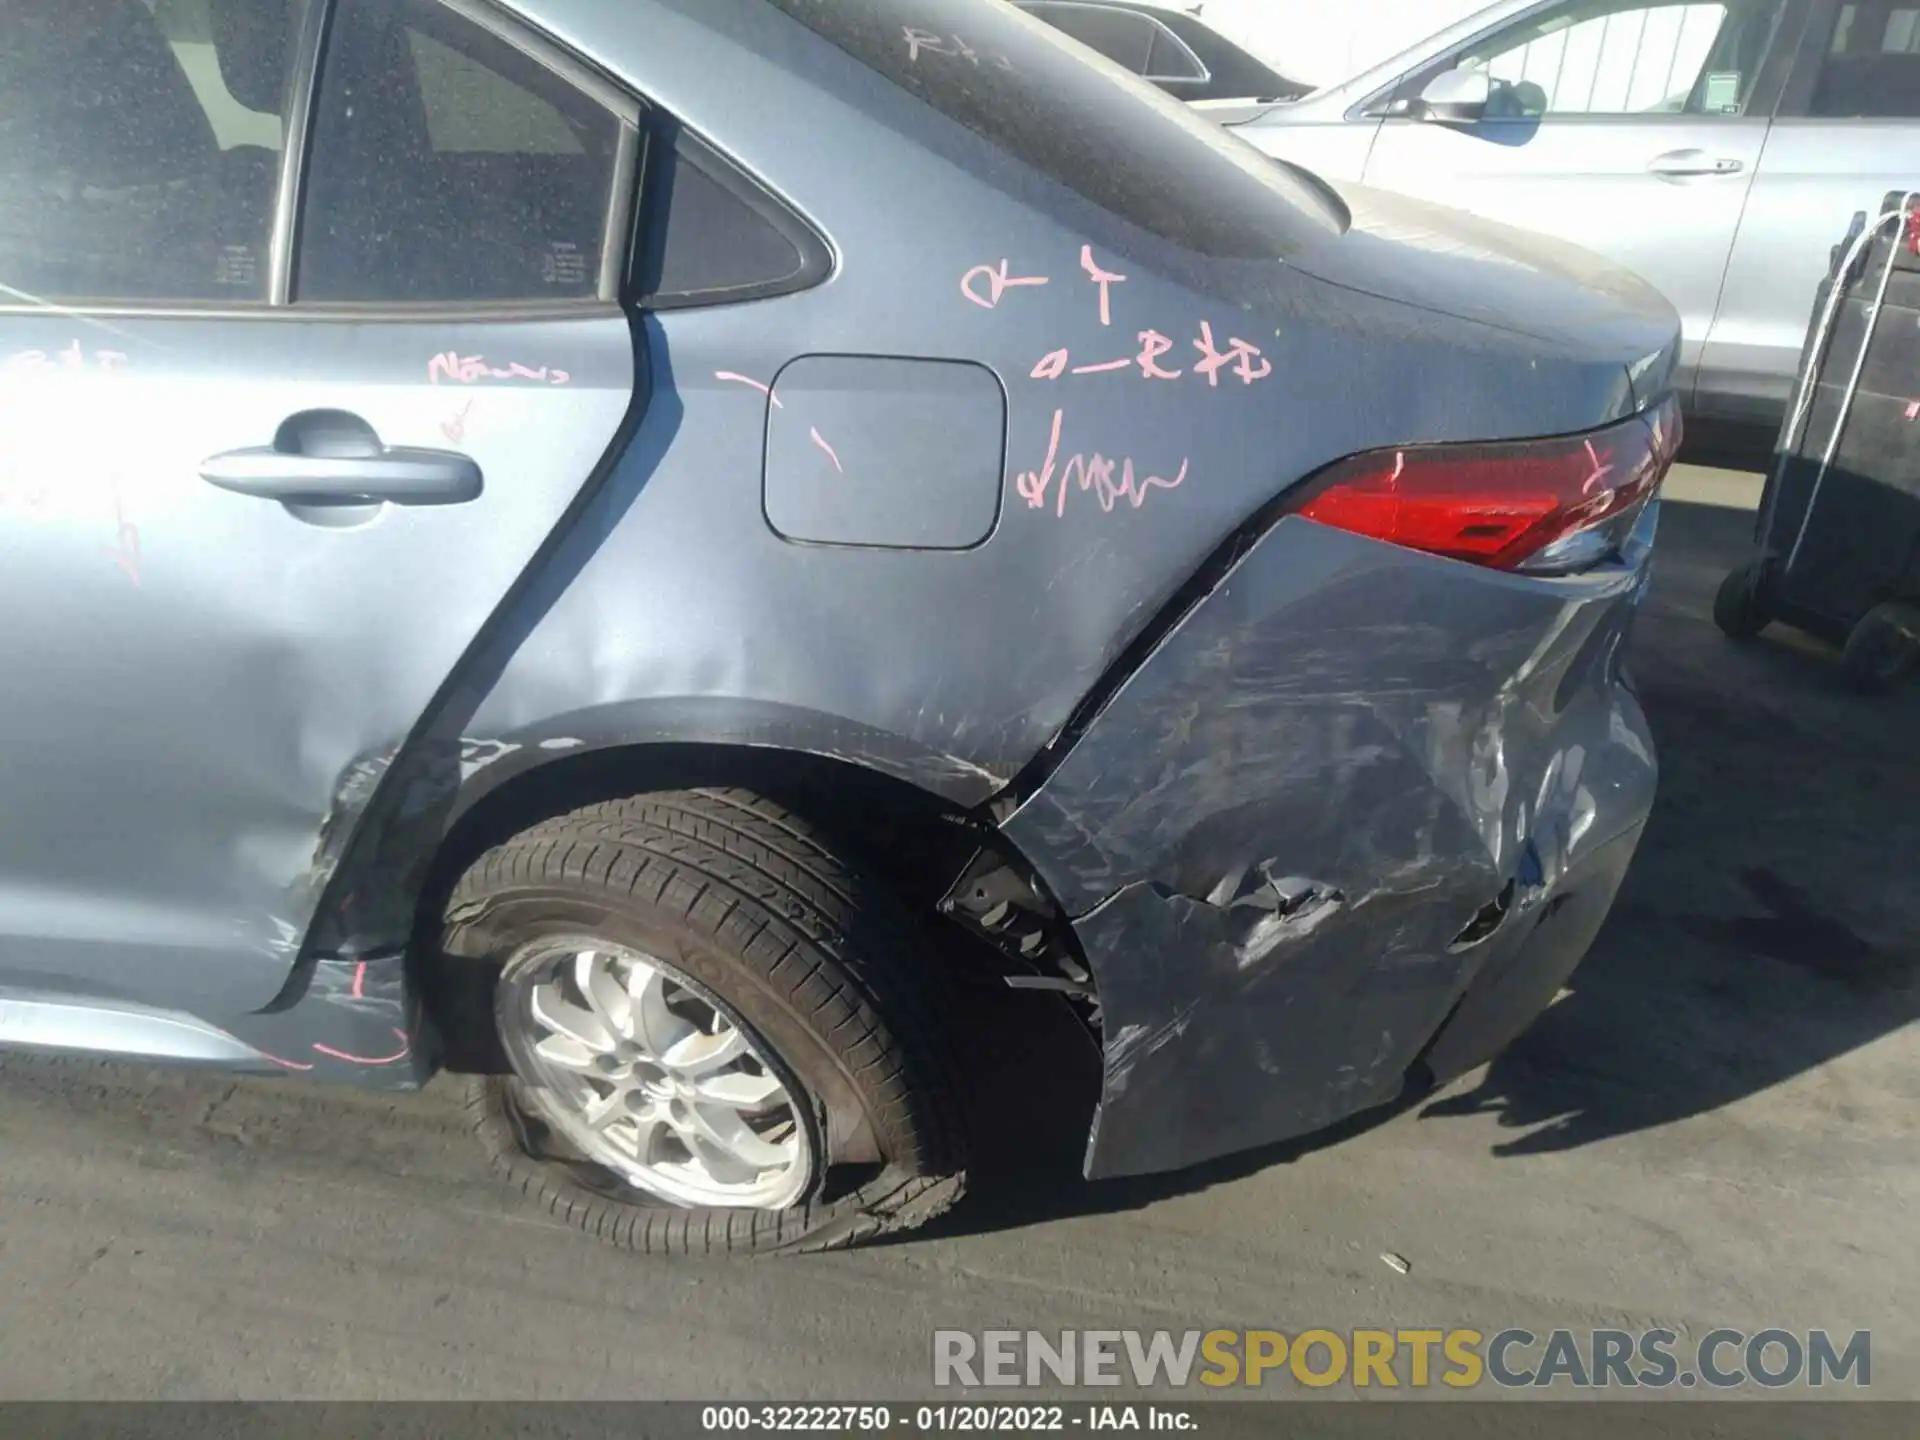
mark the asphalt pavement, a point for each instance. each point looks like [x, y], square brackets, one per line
[1715, 1126]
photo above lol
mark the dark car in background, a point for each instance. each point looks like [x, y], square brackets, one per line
[1175, 50]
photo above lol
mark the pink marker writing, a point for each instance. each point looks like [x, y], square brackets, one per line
[1094, 473]
[997, 282]
[1245, 359]
[1102, 278]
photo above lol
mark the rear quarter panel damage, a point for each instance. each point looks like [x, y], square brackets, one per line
[1277, 833]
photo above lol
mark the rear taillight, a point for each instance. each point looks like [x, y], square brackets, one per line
[1535, 505]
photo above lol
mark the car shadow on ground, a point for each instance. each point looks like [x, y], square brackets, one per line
[1770, 923]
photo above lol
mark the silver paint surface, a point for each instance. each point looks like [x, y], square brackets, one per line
[203, 680]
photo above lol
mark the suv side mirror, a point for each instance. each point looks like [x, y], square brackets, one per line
[1459, 96]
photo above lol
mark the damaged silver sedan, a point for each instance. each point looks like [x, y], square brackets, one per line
[624, 549]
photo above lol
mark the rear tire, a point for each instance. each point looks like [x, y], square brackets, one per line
[1740, 606]
[1883, 649]
[748, 922]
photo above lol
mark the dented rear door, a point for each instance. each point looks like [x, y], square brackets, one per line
[253, 512]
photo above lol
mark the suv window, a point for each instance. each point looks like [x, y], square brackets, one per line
[138, 148]
[1628, 57]
[1114, 140]
[1872, 67]
[449, 166]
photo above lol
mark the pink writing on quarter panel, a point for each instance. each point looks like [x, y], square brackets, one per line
[1246, 359]
[1152, 346]
[1093, 473]
[831, 454]
[1102, 278]
[735, 379]
[997, 282]
[1052, 367]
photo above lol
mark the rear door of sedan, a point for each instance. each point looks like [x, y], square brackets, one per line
[304, 357]
[1633, 127]
[1848, 133]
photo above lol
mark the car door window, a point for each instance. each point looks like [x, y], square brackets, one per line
[1872, 65]
[138, 148]
[1609, 58]
[450, 166]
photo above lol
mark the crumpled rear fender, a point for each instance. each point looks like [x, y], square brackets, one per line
[1349, 783]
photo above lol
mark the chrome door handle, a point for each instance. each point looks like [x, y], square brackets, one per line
[328, 457]
[1694, 162]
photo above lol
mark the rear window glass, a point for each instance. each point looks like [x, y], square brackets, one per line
[1112, 138]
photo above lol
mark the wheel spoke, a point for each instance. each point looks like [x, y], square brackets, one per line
[701, 1054]
[605, 994]
[604, 1110]
[646, 1125]
[568, 1053]
[725, 1131]
[564, 1017]
[738, 1090]
[721, 1167]
[654, 1025]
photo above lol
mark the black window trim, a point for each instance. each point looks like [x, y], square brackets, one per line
[308, 42]
[1764, 103]
[818, 258]
[307, 45]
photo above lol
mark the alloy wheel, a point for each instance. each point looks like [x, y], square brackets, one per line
[651, 1077]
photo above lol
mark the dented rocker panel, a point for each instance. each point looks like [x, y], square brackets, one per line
[1277, 834]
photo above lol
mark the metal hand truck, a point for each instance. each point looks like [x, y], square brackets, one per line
[1837, 544]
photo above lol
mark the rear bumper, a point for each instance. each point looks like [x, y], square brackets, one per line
[1361, 808]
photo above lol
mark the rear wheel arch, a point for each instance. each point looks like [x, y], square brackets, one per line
[916, 842]
[831, 792]
[786, 890]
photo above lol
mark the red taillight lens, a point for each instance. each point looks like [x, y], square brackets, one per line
[1913, 231]
[1499, 505]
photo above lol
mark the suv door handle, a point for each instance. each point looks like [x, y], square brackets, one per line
[1694, 162]
[329, 457]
